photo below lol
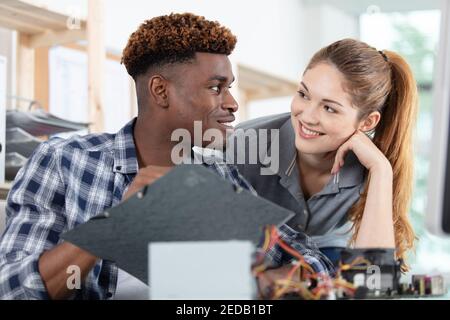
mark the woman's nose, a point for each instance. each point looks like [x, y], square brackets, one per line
[310, 115]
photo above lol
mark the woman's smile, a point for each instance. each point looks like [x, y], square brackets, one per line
[306, 133]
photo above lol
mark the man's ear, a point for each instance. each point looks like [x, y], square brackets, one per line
[370, 122]
[157, 89]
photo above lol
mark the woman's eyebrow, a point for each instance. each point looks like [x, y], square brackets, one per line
[332, 101]
[325, 100]
[303, 84]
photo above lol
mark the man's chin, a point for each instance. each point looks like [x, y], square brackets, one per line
[219, 145]
[216, 137]
[225, 128]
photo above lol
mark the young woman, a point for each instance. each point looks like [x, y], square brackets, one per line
[346, 149]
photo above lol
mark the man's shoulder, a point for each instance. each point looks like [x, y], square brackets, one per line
[227, 171]
[73, 152]
[90, 142]
[268, 122]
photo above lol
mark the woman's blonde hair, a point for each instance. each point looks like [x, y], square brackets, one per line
[381, 81]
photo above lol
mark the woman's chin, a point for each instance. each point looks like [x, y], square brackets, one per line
[308, 147]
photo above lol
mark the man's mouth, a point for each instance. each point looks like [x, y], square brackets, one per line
[226, 122]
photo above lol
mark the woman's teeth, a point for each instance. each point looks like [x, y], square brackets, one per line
[309, 132]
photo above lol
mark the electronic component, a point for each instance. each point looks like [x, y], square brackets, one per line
[376, 274]
[374, 269]
[362, 274]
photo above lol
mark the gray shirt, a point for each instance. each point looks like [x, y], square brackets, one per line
[324, 215]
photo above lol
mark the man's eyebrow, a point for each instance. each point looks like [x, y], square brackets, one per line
[220, 79]
[325, 100]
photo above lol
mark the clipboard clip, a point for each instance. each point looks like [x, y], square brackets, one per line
[237, 189]
[103, 215]
[141, 193]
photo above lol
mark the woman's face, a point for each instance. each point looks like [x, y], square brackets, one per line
[321, 112]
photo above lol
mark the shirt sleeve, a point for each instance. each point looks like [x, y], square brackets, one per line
[299, 241]
[304, 245]
[34, 220]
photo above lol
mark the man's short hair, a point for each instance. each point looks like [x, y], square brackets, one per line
[174, 38]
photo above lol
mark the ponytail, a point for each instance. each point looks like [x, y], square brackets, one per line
[393, 136]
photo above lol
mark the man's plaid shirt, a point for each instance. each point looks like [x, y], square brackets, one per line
[67, 182]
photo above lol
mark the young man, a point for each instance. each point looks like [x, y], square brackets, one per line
[182, 72]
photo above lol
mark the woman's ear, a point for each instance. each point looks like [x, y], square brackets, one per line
[370, 122]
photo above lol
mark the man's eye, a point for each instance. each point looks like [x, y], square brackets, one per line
[330, 110]
[215, 88]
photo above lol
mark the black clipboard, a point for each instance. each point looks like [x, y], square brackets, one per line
[189, 203]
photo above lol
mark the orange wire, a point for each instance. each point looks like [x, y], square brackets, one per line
[274, 238]
[295, 254]
[289, 277]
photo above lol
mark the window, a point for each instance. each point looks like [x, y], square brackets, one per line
[415, 36]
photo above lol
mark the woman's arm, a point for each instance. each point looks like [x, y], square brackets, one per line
[377, 225]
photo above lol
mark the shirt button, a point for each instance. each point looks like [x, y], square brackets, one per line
[109, 295]
[305, 211]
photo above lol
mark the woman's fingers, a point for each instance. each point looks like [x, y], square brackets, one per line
[342, 151]
[340, 155]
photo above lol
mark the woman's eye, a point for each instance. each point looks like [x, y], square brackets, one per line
[302, 94]
[330, 110]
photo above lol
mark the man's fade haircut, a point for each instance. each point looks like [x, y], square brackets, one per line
[174, 38]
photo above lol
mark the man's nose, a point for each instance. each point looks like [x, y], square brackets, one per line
[230, 103]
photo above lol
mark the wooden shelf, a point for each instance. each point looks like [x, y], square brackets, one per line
[39, 29]
[4, 189]
[43, 27]
[260, 85]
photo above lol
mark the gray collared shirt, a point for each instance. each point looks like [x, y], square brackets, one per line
[324, 215]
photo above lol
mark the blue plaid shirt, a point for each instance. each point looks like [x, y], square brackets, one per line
[67, 182]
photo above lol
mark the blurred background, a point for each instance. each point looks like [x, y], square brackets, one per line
[60, 69]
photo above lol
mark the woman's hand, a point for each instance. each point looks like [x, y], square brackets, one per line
[376, 229]
[367, 152]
